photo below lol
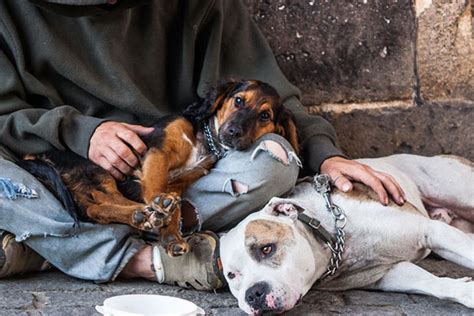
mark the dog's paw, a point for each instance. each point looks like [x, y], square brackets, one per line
[156, 214]
[463, 291]
[165, 203]
[177, 248]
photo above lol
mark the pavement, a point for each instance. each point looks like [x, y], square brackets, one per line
[53, 293]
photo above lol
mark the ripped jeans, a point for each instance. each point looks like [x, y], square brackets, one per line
[239, 184]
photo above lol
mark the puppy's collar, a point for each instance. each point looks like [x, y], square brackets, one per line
[210, 142]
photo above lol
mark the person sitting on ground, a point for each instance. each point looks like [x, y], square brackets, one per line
[87, 76]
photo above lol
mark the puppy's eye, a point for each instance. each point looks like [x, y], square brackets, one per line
[238, 102]
[264, 116]
[231, 275]
[267, 250]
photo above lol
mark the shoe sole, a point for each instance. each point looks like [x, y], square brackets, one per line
[216, 263]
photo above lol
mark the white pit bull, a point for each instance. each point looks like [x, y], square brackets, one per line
[271, 259]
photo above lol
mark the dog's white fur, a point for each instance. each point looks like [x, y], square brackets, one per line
[383, 243]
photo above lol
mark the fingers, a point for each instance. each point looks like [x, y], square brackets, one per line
[124, 154]
[366, 176]
[105, 164]
[131, 137]
[140, 130]
[391, 185]
[342, 171]
[117, 162]
[112, 147]
[341, 182]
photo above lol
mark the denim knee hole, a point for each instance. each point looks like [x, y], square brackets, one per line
[235, 188]
[276, 151]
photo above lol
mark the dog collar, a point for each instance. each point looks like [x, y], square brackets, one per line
[210, 142]
[322, 184]
[319, 231]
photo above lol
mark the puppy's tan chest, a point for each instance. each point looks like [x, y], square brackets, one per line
[198, 157]
[198, 150]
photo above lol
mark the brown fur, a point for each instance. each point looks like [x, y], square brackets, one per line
[165, 172]
[462, 160]
[362, 192]
[260, 233]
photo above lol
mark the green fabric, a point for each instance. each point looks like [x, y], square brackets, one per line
[64, 69]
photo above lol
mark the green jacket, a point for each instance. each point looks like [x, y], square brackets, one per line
[68, 65]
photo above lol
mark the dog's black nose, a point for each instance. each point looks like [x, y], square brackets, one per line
[234, 131]
[256, 295]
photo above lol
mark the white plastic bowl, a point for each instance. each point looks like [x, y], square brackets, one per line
[148, 305]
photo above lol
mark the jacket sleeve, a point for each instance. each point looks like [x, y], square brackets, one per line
[28, 127]
[235, 48]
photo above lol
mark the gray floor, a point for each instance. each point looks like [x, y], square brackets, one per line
[53, 293]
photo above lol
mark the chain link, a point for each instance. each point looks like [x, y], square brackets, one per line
[322, 184]
[210, 141]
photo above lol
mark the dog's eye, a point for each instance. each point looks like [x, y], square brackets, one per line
[264, 116]
[267, 249]
[238, 102]
[231, 275]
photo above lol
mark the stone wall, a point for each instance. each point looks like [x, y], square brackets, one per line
[445, 49]
[391, 75]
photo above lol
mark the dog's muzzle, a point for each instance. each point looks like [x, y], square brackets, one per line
[256, 295]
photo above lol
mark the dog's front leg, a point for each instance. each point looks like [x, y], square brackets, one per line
[407, 277]
[154, 179]
[171, 237]
[450, 243]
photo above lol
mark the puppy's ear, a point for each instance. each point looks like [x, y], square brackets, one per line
[286, 207]
[286, 127]
[208, 106]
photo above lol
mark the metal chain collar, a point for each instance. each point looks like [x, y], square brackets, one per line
[322, 184]
[210, 141]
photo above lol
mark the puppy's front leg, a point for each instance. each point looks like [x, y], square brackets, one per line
[171, 237]
[154, 179]
[407, 277]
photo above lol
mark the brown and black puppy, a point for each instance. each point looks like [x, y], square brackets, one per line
[234, 115]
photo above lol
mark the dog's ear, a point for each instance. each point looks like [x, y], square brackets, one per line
[286, 207]
[286, 127]
[208, 106]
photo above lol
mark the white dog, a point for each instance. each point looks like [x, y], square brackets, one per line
[271, 259]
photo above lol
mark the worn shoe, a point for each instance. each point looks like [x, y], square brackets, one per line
[17, 258]
[200, 268]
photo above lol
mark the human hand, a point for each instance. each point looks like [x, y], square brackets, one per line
[111, 147]
[342, 171]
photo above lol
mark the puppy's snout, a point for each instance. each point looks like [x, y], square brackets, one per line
[235, 131]
[256, 295]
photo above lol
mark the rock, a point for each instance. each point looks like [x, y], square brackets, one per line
[338, 51]
[445, 49]
[385, 128]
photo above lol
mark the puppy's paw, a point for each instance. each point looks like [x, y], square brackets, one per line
[157, 214]
[165, 203]
[177, 248]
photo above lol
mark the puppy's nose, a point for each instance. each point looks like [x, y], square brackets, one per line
[235, 131]
[255, 295]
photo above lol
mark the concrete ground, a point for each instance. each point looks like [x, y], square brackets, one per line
[53, 293]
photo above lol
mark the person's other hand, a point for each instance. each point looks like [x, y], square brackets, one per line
[342, 171]
[111, 147]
